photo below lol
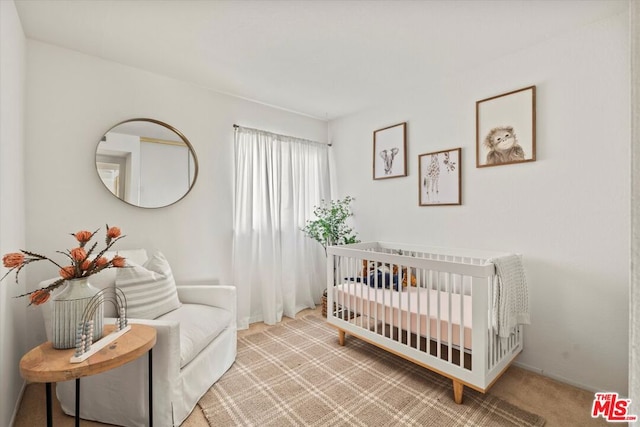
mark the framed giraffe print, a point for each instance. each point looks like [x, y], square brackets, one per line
[440, 175]
[390, 152]
[506, 128]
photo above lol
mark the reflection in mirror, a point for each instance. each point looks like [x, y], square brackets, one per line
[146, 163]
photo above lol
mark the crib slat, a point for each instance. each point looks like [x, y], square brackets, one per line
[405, 319]
[346, 300]
[392, 298]
[361, 308]
[449, 286]
[341, 272]
[369, 308]
[439, 321]
[376, 290]
[461, 329]
[331, 284]
[430, 314]
[479, 332]
[340, 303]
[419, 288]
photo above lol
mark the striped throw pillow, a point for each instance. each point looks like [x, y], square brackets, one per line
[150, 288]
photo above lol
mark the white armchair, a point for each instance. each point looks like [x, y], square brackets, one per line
[196, 345]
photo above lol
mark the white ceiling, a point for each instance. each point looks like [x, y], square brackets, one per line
[324, 59]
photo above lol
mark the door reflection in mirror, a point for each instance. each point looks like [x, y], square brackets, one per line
[109, 169]
[146, 163]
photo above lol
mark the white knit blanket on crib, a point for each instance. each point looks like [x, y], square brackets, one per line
[510, 296]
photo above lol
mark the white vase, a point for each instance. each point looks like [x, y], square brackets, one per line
[68, 308]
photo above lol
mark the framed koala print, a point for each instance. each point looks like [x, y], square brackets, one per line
[506, 128]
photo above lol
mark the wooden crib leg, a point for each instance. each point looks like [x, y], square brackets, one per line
[458, 389]
[341, 337]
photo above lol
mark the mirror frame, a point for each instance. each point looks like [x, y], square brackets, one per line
[172, 129]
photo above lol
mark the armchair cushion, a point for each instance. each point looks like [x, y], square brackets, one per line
[199, 326]
[150, 289]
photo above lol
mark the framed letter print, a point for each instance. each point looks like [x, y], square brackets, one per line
[506, 128]
[439, 175]
[390, 152]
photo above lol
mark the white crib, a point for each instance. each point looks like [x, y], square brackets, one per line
[432, 306]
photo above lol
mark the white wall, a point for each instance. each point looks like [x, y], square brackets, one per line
[72, 99]
[567, 213]
[12, 223]
[634, 300]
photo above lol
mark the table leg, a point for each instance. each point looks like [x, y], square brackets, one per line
[150, 387]
[77, 402]
[49, 418]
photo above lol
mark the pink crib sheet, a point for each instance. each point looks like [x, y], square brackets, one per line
[403, 309]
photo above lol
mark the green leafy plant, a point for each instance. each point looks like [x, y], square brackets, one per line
[330, 226]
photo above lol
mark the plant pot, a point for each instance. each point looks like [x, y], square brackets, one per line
[68, 307]
[324, 303]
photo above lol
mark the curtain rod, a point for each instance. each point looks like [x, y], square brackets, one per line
[286, 136]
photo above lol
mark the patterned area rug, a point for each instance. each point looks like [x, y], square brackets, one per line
[296, 374]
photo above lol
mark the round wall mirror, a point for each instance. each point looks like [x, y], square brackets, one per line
[146, 163]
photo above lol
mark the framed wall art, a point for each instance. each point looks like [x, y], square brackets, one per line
[390, 152]
[440, 178]
[506, 128]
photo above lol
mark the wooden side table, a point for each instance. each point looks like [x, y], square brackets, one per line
[44, 364]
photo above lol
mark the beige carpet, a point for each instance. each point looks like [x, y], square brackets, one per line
[296, 374]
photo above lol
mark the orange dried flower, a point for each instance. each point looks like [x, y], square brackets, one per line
[81, 265]
[78, 254]
[113, 232]
[118, 261]
[68, 272]
[83, 236]
[39, 297]
[13, 260]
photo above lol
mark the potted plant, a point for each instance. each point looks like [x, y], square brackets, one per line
[330, 228]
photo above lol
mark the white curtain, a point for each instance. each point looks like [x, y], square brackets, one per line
[277, 269]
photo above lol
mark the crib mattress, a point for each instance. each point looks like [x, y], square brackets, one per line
[419, 311]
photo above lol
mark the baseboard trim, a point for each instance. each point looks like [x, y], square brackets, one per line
[564, 380]
[14, 416]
